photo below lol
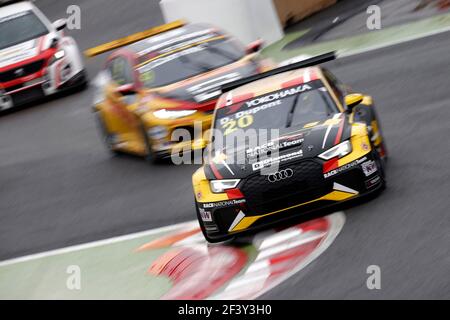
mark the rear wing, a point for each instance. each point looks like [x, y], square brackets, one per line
[133, 38]
[294, 66]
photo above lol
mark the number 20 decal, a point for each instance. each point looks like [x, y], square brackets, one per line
[233, 125]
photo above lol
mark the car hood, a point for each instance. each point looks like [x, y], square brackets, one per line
[206, 87]
[19, 52]
[292, 146]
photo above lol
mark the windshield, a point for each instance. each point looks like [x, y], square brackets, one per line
[283, 110]
[20, 28]
[189, 62]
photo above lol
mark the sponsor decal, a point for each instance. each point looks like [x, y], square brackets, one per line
[278, 95]
[270, 161]
[18, 53]
[172, 57]
[251, 112]
[205, 215]
[223, 204]
[281, 175]
[365, 146]
[172, 37]
[373, 182]
[369, 168]
[265, 102]
[209, 89]
[344, 168]
[273, 146]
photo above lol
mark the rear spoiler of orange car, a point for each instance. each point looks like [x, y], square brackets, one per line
[294, 66]
[133, 38]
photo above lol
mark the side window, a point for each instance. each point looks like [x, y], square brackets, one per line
[337, 87]
[120, 71]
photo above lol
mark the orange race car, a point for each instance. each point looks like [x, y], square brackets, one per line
[164, 79]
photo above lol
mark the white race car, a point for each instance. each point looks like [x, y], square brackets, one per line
[36, 58]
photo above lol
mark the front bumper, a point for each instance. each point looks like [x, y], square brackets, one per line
[311, 190]
[17, 97]
[35, 90]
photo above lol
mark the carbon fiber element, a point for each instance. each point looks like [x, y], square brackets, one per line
[306, 184]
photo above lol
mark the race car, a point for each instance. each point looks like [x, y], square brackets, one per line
[36, 58]
[325, 147]
[164, 80]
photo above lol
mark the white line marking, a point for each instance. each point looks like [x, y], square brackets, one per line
[99, 243]
[236, 221]
[304, 238]
[227, 166]
[307, 75]
[340, 187]
[343, 53]
[275, 239]
[329, 130]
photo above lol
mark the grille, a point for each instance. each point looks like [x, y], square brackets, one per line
[306, 184]
[27, 70]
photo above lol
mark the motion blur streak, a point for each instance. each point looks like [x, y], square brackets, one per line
[59, 188]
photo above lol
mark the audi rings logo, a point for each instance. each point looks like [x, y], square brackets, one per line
[281, 175]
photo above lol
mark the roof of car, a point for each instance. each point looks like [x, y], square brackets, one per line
[170, 38]
[8, 8]
[277, 82]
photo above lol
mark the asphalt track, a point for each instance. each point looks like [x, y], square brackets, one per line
[59, 187]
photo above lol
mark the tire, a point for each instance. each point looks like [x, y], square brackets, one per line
[151, 157]
[104, 134]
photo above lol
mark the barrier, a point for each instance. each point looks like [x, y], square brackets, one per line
[292, 11]
[248, 20]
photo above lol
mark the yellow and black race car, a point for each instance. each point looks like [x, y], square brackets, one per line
[165, 79]
[326, 147]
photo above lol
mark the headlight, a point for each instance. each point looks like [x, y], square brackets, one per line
[59, 54]
[165, 114]
[339, 151]
[219, 186]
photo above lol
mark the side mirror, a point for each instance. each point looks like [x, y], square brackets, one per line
[255, 46]
[54, 44]
[352, 100]
[60, 24]
[126, 89]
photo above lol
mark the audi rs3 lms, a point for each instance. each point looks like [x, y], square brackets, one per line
[36, 58]
[327, 148]
[165, 79]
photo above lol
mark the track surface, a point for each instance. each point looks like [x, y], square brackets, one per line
[59, 187]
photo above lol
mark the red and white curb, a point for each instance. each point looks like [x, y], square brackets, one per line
[245, 269]
[202, 271]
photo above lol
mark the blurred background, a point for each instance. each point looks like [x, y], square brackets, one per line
[59, 187]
